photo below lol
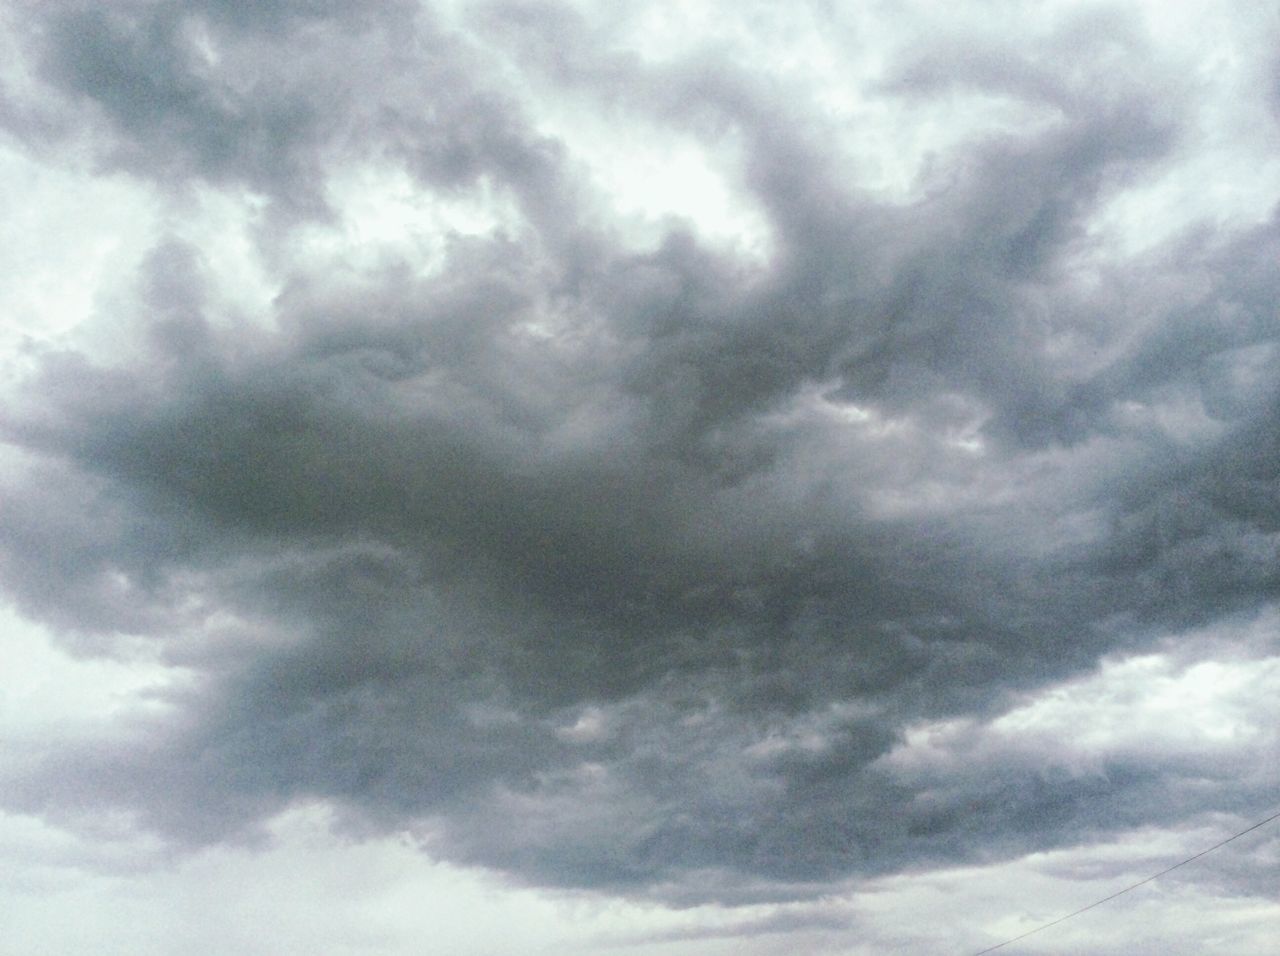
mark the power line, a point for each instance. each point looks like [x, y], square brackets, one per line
[1107, 899]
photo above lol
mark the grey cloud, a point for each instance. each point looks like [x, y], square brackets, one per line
[781, 922]
[272, 96]
[441, 536]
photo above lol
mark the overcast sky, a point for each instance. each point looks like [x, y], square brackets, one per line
[642, 478]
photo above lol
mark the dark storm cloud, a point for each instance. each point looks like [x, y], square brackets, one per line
[554, 554]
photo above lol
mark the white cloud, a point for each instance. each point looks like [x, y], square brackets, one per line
[1149, 708]
[68, 238]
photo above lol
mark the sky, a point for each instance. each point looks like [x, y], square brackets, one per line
[643, 478]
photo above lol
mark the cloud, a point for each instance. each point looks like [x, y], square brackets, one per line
[637, 558]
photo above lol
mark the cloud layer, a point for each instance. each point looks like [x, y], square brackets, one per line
[713, 545]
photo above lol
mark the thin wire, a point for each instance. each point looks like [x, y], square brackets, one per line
[1107, 899]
